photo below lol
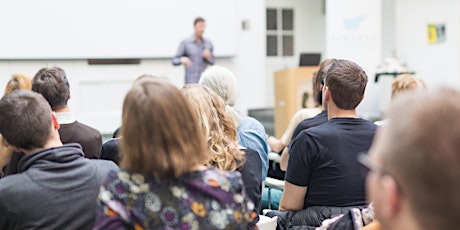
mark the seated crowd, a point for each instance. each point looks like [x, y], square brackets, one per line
[186, 159]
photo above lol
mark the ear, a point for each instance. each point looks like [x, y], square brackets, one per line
[327, 94]
[55, 121]
[391, 195]
[68, 95]
[6, 144]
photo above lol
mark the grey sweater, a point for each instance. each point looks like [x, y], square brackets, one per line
[56, 188]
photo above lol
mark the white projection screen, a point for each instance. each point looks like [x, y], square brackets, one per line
[92, 29]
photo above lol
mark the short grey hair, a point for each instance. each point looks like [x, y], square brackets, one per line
[222, 81]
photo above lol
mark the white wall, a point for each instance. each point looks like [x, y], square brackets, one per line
[249, 63]
[82, 29]
[354, 32]
[97, 91]
[436, 64]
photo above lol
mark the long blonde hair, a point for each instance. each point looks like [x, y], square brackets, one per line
[217, 127]
[222, 81]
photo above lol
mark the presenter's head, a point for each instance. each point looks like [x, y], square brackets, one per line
[199, 24]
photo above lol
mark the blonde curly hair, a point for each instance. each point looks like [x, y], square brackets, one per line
[405, 82]
[217, 126]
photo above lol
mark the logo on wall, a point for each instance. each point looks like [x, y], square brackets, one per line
[436, 33]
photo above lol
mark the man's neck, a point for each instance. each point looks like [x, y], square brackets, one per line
[64, 109]
[52, 142]
[334, 112]
[198, 39]
[64, 116]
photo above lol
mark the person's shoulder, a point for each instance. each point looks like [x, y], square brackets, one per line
[13, 183]
[86, 128]
[252, 156]
[223, 178]
[104, 166]
[316, 133]
[112, 143]
[189, 39]
[207, 40]
[314, 121]
[250, 121]
[368, 124]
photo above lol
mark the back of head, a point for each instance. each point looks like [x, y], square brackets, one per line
[319, 77]
[25, 119]
[420, 147]
[346, 82]
[222, 81]
[53, 84]
[405, 82]
[18, 81]
[217, 126]
[159, 131]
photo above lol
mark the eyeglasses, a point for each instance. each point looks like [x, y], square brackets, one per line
[370, 165]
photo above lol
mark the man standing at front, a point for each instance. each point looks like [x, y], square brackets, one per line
[56, 187]
[323, 159]
[195, 53]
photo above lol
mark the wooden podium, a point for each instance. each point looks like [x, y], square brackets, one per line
[293, 86]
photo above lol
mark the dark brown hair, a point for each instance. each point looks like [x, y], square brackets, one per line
[52, 83]
[160, 131]
[346, 82]
[318, 78]
[25, 119]
[198, 19]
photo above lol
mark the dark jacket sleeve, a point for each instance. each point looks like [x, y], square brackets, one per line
[308, 218]
[252, 178]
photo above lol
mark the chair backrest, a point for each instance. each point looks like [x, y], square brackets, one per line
[267, 223]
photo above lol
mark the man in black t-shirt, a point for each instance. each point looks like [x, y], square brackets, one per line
[319, 119]
[323, 169]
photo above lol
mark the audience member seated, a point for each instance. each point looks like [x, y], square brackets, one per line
[53, 84]
[110, 149]
[414, 162]
[401, 83]
[278, 145]
[271, 196]
[319, 119]
[323, 159]
[250, 132]
[17, 81]
[163, 183]
[220, 131]
[56, 187]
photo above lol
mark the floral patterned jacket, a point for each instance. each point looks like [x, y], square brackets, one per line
[209, 199]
